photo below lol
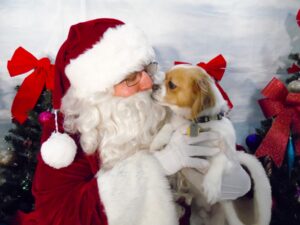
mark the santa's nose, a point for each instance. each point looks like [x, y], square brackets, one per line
[145, 82]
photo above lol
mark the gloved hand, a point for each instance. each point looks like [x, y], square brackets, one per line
[183, 151]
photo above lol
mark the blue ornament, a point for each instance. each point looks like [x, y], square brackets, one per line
[290, 155]
[253, 141]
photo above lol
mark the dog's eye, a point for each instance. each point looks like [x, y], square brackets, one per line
[172, 85]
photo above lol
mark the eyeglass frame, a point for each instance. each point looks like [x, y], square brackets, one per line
[148, 69]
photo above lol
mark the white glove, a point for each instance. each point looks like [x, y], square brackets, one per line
[235, 183]
[181, 152]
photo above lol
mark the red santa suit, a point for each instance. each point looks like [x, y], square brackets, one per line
[65, 196]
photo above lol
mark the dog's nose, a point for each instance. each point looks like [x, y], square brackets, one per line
[155, 87]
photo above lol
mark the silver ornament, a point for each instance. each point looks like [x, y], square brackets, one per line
[294, 86]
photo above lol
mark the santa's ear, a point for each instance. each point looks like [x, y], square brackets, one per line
[204, 95]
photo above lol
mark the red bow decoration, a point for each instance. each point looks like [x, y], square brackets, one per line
[29, 92]
[286, 107]
[298, 17]
[216, 69]
[293, 69]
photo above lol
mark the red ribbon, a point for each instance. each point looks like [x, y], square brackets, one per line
[286, 108]
[216, 69]
[29, 92]
[298, 17]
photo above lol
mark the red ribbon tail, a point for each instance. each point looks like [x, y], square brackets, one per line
[275, 142]
[270, 107]
[27, 96]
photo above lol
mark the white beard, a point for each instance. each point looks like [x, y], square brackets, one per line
[117, 126]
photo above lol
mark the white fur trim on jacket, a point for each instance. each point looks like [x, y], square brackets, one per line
[136, 192]
[262, 189]
[122, 50]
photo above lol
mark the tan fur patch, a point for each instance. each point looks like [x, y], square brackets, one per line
[189, 87]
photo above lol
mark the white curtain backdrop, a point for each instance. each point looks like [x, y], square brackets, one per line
[255, 36]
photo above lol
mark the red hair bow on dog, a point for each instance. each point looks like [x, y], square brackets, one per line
[216, 69]
[29, 92]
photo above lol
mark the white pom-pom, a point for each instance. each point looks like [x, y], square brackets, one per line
[59, 150]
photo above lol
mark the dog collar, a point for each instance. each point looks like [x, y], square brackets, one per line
[205, 119]
[194, 129]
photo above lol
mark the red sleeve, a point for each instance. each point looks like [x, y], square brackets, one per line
[67, 196]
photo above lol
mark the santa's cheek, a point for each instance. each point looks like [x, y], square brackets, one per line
[124, 91]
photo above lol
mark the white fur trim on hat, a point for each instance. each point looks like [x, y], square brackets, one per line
[120, 51]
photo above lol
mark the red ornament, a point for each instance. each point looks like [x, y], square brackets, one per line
[45, 117]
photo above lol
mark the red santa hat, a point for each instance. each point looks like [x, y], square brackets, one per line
[96, 55]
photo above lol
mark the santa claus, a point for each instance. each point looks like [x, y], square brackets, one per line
[105, 173]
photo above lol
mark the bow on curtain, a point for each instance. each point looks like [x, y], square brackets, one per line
[286, 107]
[29, 92]
[216, 69]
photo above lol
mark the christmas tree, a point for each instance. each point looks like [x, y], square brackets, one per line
[17, 163]
[277, 143]
[30, 109]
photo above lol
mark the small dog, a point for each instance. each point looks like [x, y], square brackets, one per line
[193, 97]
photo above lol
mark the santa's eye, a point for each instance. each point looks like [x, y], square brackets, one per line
[133, 79]
[172, 85]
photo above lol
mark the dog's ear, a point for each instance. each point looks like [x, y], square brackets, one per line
[204, 96]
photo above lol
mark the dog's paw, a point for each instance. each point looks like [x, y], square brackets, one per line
[211, 189]
[162, 138]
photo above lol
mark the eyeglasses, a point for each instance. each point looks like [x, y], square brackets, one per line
[135, 77]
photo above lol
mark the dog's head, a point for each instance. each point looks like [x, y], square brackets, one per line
[188, 91]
